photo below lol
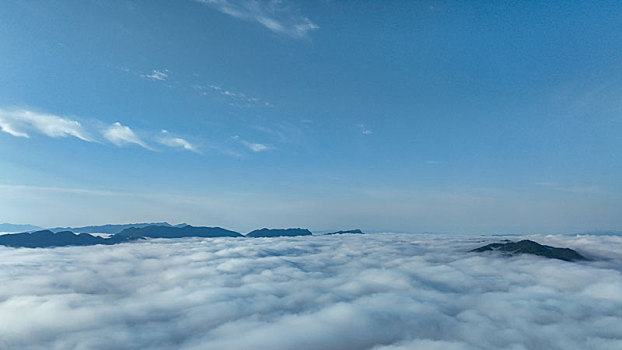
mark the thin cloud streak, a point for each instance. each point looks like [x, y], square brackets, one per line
[156, 75]
[18, 122]
[255, 147]
[235, 98]
[273, 15]
[589, 189]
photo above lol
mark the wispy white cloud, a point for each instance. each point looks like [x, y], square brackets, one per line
[595, 98]
[282, 131]
[255, 147]
[18, 122]
[586, 189]
[364, 129]
[167, 139]
[23, 122]
[122, 135]
[275, 15]
[155, 74]
[548, 184]
[235, 98]
[8, 126]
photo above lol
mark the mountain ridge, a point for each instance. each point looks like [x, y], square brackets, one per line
[49, 238]
[278, 232]
[530, 247]
[7, 227]
[111, 228]
[355, 231]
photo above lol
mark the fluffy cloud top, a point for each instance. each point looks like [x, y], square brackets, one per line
[383, 291]
[19, 122]
[122, 135]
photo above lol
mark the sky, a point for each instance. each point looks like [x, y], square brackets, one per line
[409, 116]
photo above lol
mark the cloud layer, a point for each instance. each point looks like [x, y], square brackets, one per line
[383, 291]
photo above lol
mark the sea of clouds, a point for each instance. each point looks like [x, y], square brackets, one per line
[374, 291]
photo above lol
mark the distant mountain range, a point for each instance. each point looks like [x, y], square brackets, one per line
[111, 229]
[155, 231]
[17, 228]
[134, 232]
[49, 238]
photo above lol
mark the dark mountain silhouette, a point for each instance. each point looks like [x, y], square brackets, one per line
[344, 232]
[531, 247]
[110, 228]
[6, 227]
[289, 232]
[155, 231]
[47, 238]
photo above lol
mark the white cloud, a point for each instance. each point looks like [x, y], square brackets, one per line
[364, 129]
[377, 291]
[255, 147]
[175, 142]
[21, 122]
[274, 15]
[235, 98]
[8, 126]
[121, 135]
[585, 189]
[160, 75]
[282, 131]
[18, 122]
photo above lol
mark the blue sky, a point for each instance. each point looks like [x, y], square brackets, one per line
[474, 117]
